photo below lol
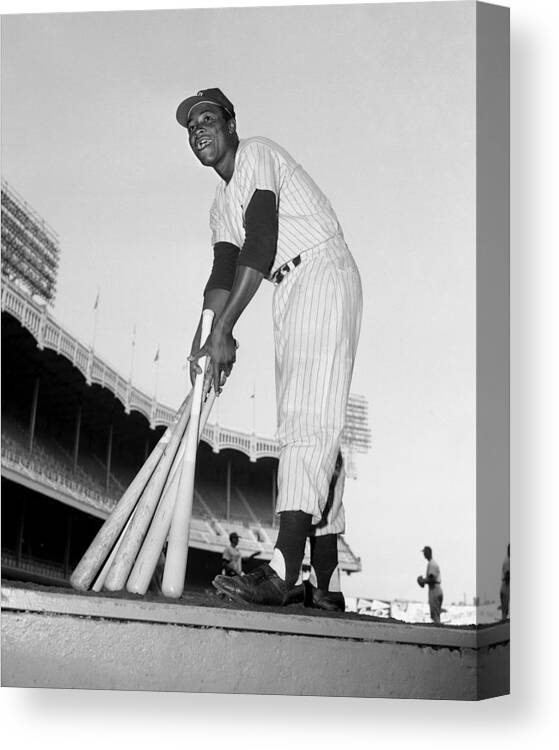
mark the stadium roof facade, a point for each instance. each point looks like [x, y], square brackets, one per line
[49, 334]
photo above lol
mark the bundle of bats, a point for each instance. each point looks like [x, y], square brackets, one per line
[155, 509]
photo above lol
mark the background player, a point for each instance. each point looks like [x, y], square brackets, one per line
[270, 220]
[433, 580]
[504, 592]
[231, 559]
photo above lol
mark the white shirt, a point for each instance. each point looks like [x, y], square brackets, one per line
[434, 570]
[234, 558]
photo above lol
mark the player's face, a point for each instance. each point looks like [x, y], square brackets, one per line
[211, 137]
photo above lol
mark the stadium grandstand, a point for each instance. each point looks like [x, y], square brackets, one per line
[75, 433]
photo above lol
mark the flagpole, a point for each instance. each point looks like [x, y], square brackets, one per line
[156, 363]
[253, 397]
[95, 314]
[132, 353]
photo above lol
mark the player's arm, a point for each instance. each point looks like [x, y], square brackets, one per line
[253, 264]
[216, 290]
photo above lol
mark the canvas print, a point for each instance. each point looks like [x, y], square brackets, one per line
[254, 339]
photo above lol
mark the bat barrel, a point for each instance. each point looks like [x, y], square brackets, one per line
[105, 539]
[134, 535]
[148, 556]
[150, 551]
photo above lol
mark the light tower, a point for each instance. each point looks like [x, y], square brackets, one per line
[356, 437]
[30, 248]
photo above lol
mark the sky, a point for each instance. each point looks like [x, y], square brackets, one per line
[377, 102]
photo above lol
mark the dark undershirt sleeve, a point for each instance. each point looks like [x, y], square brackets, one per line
[224, 266]
[261, 232]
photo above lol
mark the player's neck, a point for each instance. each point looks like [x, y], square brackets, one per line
[226, 165]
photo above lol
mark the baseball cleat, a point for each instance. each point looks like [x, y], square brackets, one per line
[262, 586]
[331, 601]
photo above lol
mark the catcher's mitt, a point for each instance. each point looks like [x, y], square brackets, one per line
[420, 581]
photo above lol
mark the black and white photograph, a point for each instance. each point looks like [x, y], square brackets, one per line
[255, 350]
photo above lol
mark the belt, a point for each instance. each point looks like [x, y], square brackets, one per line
[278, 275]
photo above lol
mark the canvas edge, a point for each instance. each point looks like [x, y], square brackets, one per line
[492, 307]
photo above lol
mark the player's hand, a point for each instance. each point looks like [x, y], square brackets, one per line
[221, 348]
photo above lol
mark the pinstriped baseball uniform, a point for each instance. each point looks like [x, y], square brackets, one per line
[306, 218]
[317, 316]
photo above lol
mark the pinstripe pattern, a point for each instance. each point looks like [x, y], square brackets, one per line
[317, 316]
[306, 218]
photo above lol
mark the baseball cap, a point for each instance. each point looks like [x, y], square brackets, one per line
[427, 549]
[205, 96]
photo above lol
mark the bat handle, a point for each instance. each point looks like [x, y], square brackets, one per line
[197, 393]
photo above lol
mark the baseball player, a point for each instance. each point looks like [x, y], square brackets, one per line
[270, 221]
[432, 579]
[504, 592]
[232, 559]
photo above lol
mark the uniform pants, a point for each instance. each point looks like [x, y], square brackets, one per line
[435, 602]
[317, 312]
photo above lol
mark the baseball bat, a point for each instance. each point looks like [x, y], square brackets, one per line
[134, 535]
[148, 556]
[100, 580]
[177, 547]
[99, 549]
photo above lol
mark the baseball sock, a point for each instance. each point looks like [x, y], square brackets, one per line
[324, 561]
[290, 545]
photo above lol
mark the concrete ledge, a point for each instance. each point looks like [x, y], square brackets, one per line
[58, 639]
